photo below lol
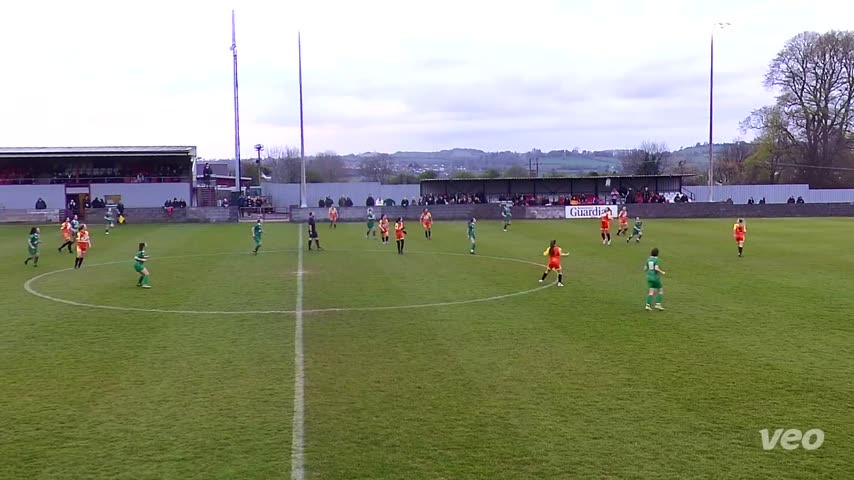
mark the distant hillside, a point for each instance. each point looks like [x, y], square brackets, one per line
[568, 162]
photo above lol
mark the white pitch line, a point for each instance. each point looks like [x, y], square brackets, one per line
[297, 446]
[28, 286]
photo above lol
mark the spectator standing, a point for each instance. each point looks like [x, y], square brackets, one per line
[41, 204]
[370, 202]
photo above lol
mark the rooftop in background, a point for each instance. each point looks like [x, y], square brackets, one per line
[47, 152]
[579, 177]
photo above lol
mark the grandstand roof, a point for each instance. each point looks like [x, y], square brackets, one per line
[579, 177]
[150, 151]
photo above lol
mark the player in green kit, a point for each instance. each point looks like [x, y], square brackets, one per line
[33, 247]
[257, 232]
[506, 214]
[653, 280]
[108, 217]
[372, 222]
[472, 240]
[139, 265]
[637, 231]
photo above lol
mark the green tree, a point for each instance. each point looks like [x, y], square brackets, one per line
[428, 175]
[463, 174]
[328, 167]
[517, 171]
[491, 173]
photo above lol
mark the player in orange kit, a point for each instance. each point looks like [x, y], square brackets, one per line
[606, 227]
[624, 222]
[427, 223]
[67, 236]
[554, 253]
[384, 229]
[400, 234]
[739, 230]
[333, 217]
[83, 243]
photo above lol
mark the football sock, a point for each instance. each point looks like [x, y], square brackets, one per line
[402, 244]
[649, 299]
[658, 299]
[145, 280]
[740, 249]
[545, 275]
[603, 236]
[559, 278]
[139, 282]
[609, 237]
[35, 261]
[27, 261]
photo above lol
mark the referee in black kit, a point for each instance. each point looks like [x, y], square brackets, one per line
[312, 232]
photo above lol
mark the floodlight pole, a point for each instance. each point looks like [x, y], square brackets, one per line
[302, 189]
[711, 114]
[718, 25]
[258, 149]
[236, 109]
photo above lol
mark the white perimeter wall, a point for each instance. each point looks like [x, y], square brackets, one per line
[141, 195]
[287, 194]
[24, 196]
[772, 193]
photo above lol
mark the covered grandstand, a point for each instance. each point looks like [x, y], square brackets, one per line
[137, 176]
[559, 190]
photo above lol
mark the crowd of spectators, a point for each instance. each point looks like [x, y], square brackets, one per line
[792, 200]
[455, 199]
[249, 205]
[62, 174]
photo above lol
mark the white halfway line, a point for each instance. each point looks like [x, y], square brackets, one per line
[297, 447]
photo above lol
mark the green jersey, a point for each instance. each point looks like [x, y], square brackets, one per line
[505, 212]
[139, 261]
[75, 226]
[638, 225]
[33, 243]
[471, 229]
[109, 216]
[257, 230]
[371, 219]
[651, 272]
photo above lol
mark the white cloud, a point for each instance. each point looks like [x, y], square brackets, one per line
[386, 75]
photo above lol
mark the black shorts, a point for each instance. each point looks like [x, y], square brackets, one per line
[312, 235]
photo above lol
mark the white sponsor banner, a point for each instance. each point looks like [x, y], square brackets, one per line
[590, 211]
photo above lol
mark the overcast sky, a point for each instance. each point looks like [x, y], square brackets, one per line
[390, 75]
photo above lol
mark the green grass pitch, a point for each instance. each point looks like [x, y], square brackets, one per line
[498, 379]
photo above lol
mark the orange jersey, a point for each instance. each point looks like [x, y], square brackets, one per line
[624, 217]
[333, 213]
[606, 221]
[554, 258]
[427, 219]
[398, 230]
[65, 228]
[738, 230]
[83, 240]
[384, 225]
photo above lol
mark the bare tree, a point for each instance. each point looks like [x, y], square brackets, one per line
[284, 164]
[814, 120]
[651, 158]
[376, 168]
